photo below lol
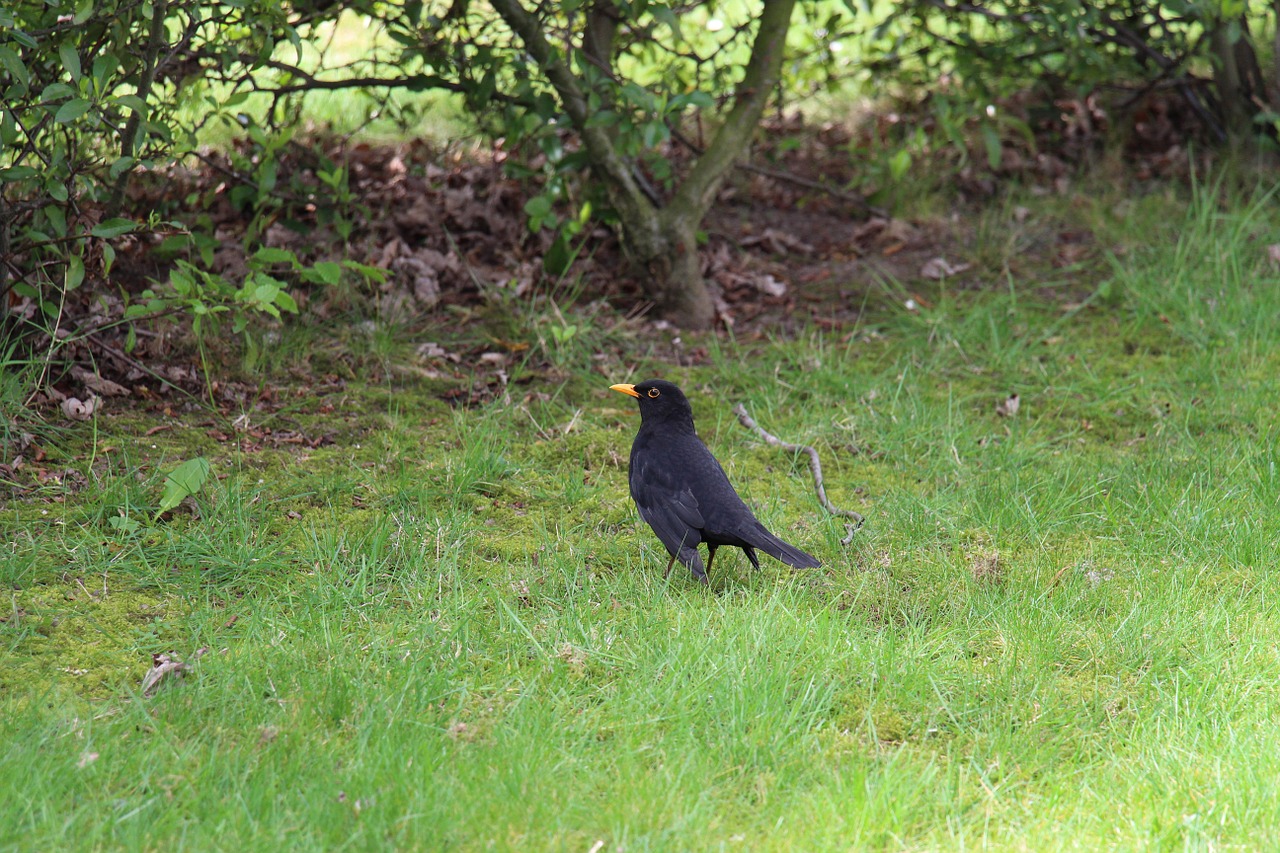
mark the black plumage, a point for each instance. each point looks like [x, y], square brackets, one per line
[684, 494]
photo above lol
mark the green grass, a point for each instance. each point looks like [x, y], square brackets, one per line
[447, 629]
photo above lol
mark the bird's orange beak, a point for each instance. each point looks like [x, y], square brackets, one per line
[625, 389]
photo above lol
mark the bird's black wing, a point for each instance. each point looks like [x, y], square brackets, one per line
[666, 504]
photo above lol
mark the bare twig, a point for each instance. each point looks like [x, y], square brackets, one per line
[815, 467]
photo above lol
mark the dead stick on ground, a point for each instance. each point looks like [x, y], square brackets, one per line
[815, 467]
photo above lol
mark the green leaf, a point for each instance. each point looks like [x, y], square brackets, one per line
[70, 60]
[75, 273]
[83, 12]
[124, 524]
[57, 219]
[654, 133]
[182, 482]
[265, 294]
[899, 164]
[12, 63]
[286, 302]
[271, 255]
[113, 228]
[121, 165]
[991, 141]
[376, 275]
[71, 110]
[55, 92]
[103, 67]
[539, 206]
[17, 173]
[24, 39]
[329, 272]
[133, 102]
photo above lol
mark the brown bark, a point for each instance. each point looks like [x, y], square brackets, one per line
[1237, 79]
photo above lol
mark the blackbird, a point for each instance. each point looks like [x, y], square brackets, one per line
[684, 494]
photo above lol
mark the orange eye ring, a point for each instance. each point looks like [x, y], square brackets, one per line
[654, 392]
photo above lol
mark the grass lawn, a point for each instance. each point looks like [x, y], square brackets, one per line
[448, 629]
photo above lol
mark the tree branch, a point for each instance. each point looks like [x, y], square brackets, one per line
[815, 467]
[699, 187]
[623, 189]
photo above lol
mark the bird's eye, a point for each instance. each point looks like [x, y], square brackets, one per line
[654, 392]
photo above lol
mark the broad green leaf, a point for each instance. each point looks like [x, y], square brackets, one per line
[538, 206]
[899, 164]
[71, 110]
[133, 102]
[23, 39]
[57, 219]
[654, 133]
[265, 293]
[103, 67]
[272, 255]
[11, 62]
[329, 272]
[124, 524]
[121, 165]
[286, 302]
[371, 273]
[70, 60]
[113, 228]
[75, 273]
[184, 481]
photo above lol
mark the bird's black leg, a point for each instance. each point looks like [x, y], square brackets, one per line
[670, 563]
[711, 556]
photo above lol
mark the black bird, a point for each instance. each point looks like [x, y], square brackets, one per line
[684, 494]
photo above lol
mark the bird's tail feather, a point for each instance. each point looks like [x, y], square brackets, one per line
[787, 553]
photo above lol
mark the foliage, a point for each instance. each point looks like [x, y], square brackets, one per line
[970, 57]
[97, 94]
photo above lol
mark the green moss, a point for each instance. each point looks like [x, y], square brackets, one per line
[74, 635]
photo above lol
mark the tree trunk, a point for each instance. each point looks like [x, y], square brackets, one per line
[661, 240]
[1237, 80]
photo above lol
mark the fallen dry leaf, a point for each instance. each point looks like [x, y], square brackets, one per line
[97, 384]
[939, 268]
[778, 242]
[163, 667]
[1008, 407]
[79, 410]
[771, 286]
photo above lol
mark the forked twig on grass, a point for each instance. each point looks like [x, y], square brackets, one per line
[815, 467]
